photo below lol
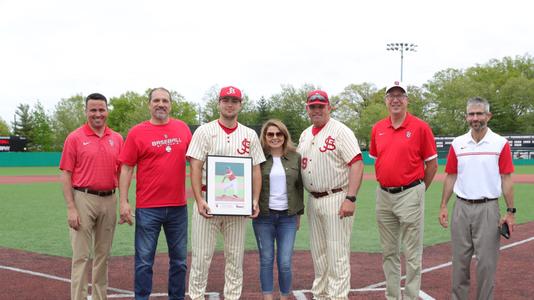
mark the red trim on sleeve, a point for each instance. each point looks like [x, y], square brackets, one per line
[506, 165]
[355, 159]
[452, 162]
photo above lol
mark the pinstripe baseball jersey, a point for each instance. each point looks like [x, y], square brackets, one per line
[325, 156]
[211, 139]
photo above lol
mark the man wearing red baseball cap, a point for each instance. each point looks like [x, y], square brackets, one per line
[406, 162]
[226, 137]
[332, 170]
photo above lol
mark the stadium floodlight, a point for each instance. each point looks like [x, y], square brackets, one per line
[401, 47]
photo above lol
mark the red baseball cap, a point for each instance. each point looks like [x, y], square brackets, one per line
[230, 92]
[317, 97]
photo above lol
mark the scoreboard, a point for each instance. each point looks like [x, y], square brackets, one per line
[13, 143]
[522, 146]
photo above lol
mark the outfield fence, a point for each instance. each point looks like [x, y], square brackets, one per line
[51, 159]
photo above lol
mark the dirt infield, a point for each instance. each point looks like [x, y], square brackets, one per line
[25, 275]
[517, 178]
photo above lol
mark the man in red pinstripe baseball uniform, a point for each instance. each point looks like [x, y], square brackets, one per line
[332, 170]
[224, 136]
[406, 162]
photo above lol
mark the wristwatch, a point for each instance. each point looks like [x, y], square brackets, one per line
[351, 198]
[511, 210]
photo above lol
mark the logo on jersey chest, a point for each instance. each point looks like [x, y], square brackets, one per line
[329, 144]
[245, 147]
[408, 134]
[166, 142]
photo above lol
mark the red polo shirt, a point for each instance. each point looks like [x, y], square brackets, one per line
[159, 153]
[92, 160]
[400, 153]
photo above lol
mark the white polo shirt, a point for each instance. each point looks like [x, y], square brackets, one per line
[479, 165]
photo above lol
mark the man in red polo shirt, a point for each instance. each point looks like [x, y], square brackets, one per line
[90, 174]
[479, 170]
[406, 162]
[157, 147]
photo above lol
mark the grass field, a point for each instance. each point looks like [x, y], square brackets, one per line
[34, 217]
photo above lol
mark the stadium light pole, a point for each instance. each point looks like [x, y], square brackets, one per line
[401, 47]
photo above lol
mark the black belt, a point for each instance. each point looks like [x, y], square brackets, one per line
[278, 212]
[477, 201]
[94, 192]
[398, 189]
[322, 194]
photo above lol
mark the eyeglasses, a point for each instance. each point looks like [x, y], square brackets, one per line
[273, 134]
[318, 97]
[398, 97]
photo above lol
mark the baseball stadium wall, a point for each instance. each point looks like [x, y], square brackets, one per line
[51, 159]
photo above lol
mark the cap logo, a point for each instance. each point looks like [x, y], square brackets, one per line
[396, 83]
[231, 91]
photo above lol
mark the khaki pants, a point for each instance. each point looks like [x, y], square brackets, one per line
[400, 219]
[330, 247]
[203, 239]
[98, 216]
[474, 230]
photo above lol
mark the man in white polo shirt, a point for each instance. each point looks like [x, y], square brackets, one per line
[479, 167]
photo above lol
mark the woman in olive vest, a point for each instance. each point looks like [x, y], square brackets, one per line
[281, 204]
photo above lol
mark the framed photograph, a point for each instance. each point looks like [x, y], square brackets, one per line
[229, 185]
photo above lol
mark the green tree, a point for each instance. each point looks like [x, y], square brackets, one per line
[263, 109]
[23, 121]
[372, 113]
[68, 115]
[182, 109]
[131, 108]
[127, 110]
[350, 106]
[290, 107]
[210, 110]
[507, 84]
[4, 128]
[41, 135]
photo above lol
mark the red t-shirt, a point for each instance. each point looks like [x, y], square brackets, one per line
[92, 160]
[159, 153]
[400, 153]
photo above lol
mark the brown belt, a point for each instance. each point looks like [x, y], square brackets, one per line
[322, 194]
[94, 192]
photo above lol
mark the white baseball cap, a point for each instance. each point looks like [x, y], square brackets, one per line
[398, 84]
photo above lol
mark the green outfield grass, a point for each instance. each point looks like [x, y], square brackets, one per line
[34, 217]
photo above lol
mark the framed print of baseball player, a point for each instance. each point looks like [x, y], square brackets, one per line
[229, 185]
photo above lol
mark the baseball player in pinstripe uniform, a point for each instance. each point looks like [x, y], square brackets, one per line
[224, 136]
[332, 171]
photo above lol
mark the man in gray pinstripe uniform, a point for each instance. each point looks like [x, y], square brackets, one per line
[332, 171]
[227, 137]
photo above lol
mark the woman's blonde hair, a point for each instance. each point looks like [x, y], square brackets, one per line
[288, 143]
